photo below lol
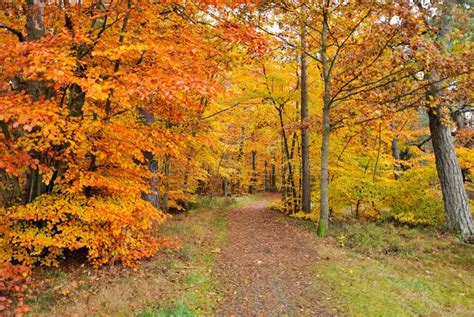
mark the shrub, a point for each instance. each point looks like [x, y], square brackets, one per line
[15, 286]
[415, 198]
[109, 228]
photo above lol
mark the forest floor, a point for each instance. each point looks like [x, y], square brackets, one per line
[241, 258]
[265, 267]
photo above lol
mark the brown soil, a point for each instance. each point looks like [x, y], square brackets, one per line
[265, 266]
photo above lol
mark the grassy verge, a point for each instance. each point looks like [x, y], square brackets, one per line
[383, 270]
[176, 282]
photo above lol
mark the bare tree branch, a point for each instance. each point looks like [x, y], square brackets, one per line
[18, 34]
[341, 46]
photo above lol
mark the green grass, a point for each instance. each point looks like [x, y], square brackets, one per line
[213, 202]
[206, 234]
[382, 270]
[180, 310]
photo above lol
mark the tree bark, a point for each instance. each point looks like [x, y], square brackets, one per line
[35, 27]
[324, 180]
[306, 179]
[76, 100]
[273, 178]
[379, 138]
[396, 153]
[154, 196]
[253, 179]
[225, 187]
[239, 159]
[288, 165]
[267, 177]
[284, 191]
[35, 30]
[166, 173]
[456, 203]
[15, 193]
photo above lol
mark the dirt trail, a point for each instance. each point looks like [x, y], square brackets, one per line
[264, 267]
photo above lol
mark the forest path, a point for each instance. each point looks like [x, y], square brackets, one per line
[265, 266]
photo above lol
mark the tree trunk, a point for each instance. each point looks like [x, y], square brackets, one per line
[15, 193]
[76, 100]
[154, 196]
[324, 180]
[35, 30]
[379, 138]
[284, 191]
[273, 178]
[396, 153]
[166, 172]
[253, 179]
[35, 20]
[306, 180]
[225, 187]
[267, 177]
[324, 186]
[396, 156]
[291, 180]
[239, 158]
[456, 203]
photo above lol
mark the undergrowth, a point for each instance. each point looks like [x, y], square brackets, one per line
[175, 282]
[180, 310]
[380, 269]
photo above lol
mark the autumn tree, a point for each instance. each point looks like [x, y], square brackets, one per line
[340, 40]
[446, 79]
[96, 103]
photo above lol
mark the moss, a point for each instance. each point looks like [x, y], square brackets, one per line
[321, 231]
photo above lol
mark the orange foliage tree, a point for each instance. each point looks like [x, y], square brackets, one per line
[97, 98]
